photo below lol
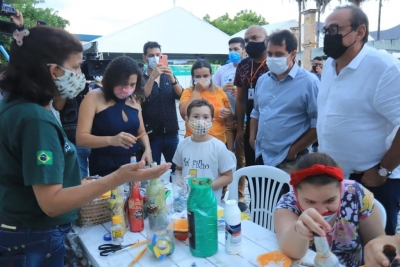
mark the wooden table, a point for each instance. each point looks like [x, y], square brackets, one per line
[256, 240]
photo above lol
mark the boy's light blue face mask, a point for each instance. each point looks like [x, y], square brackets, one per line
[234, 57]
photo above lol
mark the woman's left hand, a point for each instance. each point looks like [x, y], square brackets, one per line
[147, 156]
[224, 113]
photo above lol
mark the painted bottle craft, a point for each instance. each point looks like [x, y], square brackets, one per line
[202, 217]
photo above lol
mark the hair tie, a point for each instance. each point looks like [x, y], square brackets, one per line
[19, 35]
[317, 169]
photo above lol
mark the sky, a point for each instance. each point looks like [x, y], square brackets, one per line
[102, 17]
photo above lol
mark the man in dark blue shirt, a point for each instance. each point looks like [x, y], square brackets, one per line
[161, 90]
[317, 65]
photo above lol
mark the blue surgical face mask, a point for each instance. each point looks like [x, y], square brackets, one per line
[234, 57]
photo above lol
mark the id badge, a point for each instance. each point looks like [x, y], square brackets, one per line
[250, 94]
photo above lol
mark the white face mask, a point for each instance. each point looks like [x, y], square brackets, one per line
[277, 65]
[153, 61]
[70, 84]
[98, 78]
[196, 81]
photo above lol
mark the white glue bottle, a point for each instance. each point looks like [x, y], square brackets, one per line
[233, 227]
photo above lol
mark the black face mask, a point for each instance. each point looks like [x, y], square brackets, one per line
[333, 45]
[255, 50]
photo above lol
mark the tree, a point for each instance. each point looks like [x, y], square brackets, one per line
[300, 4]
[31, 15]
[321, 6]
[241, 21]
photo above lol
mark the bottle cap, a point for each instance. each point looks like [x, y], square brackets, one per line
[107, 237]
[116, 220]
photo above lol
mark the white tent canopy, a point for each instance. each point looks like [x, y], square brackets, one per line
[176, 30]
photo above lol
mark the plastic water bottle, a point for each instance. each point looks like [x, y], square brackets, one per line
[233, 227]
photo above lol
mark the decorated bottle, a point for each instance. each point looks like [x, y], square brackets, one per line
[391, 253]
[324, 257]
[136, 221]
[156, 205]
[202, 218]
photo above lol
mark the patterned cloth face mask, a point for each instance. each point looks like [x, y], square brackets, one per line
[200, 127]
[70, 84]
[123, 92]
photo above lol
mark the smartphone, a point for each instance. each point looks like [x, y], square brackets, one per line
[164, 60]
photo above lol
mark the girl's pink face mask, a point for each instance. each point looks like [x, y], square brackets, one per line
[123, 92]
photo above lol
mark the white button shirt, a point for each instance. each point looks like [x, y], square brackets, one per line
[359, 109]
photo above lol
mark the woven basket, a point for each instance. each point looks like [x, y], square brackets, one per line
[94, 213]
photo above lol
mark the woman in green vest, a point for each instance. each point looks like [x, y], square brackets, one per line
[40, 184]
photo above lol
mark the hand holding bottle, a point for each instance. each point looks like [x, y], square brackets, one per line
[309, 222]
[373, 251]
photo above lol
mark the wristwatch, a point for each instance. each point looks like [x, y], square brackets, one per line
[176, 82]
[383, 171]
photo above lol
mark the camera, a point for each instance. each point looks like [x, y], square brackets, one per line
[7, 10]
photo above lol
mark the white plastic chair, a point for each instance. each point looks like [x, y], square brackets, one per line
[227, 193]
[381, 210]
[268, 191]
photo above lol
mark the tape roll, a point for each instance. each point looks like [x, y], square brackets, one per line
[163, 247]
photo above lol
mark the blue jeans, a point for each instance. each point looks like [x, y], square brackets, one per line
[32, 247]
[165, 144]
[83, 157]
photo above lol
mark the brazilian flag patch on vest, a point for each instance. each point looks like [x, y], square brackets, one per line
[44, 158]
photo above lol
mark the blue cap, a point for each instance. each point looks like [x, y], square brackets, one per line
[107, 237]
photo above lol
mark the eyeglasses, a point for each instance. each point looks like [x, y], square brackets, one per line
[333, 29]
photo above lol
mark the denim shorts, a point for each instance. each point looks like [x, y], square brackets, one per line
[33, 247]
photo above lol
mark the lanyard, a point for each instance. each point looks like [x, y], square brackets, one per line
[251, 73]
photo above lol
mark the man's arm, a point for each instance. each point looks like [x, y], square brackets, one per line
[387, 103]
[310, 136]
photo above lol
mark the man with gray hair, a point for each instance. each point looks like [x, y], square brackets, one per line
[359, 108]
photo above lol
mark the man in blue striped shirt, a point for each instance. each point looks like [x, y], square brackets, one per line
[284, 116]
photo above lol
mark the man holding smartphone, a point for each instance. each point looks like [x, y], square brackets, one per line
[317, 65]
[159, 107]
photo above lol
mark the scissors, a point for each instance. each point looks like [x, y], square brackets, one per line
[109, 249]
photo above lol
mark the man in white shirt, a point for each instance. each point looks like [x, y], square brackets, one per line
[224, 77]
[359, 108]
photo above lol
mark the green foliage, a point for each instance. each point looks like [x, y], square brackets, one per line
[31, 15]
[241, 21]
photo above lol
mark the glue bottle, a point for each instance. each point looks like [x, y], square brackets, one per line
[233, 228]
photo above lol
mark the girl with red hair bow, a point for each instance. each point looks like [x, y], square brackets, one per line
[323, 202]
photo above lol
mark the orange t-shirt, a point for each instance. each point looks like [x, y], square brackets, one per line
[217, 99]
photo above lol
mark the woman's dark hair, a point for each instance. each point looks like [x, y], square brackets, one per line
[199, 64]
[311, 159]
[117, 73]
[27, 74]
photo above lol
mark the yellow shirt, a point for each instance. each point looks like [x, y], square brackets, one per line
[217, 99]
